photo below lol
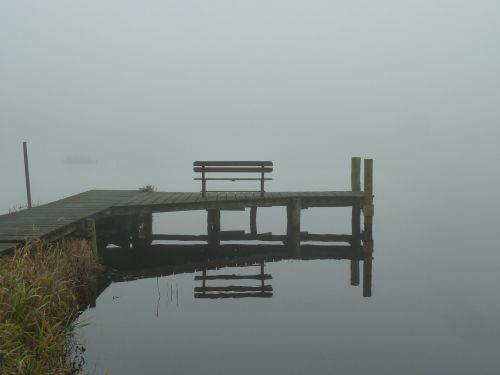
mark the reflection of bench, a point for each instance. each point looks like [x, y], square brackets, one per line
[234, 291]
[234, 167]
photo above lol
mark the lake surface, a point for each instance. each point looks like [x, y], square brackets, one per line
[434, 306]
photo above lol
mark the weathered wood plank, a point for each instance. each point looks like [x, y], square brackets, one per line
[234, 277]
[232, 179]
[233, 288]
[234, 169]
[232, 162]
[234, 295]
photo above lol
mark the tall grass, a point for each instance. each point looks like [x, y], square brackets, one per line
[41, 288]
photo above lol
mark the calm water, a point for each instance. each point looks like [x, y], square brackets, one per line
[434, 309]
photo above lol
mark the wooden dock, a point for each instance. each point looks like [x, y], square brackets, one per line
[123, 216]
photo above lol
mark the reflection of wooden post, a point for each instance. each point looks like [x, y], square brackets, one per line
[213, 226]
[368, 204]
[367, 268]
[204, 282]
[367, 276]
[262, 180]
[253, 220]
[293, 226]
[262, 276]
[354, 272]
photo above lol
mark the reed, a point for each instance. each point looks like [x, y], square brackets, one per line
[42, 287]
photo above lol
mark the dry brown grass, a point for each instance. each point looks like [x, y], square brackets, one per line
[147, 189]
[41, 287]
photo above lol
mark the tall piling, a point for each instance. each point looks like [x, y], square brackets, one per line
[368, 209]
[356, 208]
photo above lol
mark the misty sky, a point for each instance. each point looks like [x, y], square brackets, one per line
[115, 94]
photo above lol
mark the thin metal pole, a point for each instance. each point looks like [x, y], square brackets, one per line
[27, 173]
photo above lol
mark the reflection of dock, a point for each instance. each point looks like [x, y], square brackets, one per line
[233, 291]
[164, 260]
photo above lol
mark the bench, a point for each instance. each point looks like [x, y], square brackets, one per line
[234, 167]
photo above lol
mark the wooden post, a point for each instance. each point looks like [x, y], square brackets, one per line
[293, 226]
[253, 220]
[356, 174]
[356, 226]
[142, 227]
[262, 276]
[134, 231]
[203, 182]
[356, 208]
[368, 203]
[354, 272]
[145, 229]
[210, 224]
[204, 282]
[27, 173]
[91, 234]
[262, 181]
[213, 226]
[149, 228]
[125, 231]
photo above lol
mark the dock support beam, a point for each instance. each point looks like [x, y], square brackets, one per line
[293, 226]
[253, 220]
[213, 227]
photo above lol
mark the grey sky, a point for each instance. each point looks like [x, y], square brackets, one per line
[146, 87]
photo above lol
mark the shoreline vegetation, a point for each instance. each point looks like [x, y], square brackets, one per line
[43, 286]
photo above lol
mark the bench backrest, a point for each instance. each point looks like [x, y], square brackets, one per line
[239, 166]
[233, 166]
